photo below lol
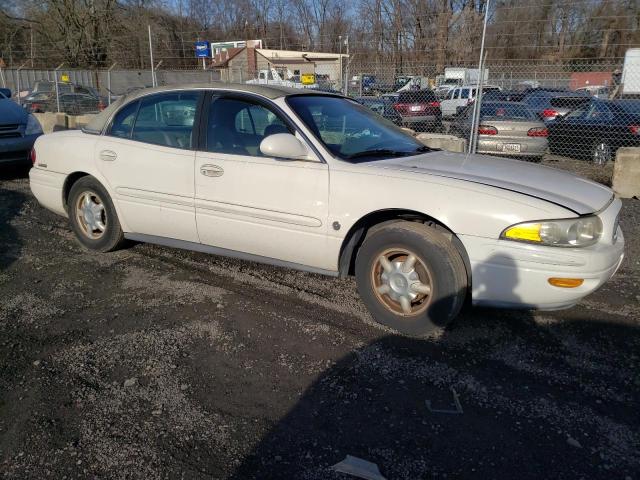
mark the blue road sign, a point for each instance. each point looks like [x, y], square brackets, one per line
[202, 50]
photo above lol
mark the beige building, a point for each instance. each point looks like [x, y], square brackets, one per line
[247, 63]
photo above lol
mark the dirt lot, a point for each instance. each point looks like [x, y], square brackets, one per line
[158, 363]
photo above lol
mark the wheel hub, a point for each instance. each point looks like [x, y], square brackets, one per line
[399, 282]
[400, 285]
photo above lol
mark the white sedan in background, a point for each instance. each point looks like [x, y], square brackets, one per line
[317, 182]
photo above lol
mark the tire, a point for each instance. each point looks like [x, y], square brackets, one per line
[601, 152]
[96, 227]
[438, 278]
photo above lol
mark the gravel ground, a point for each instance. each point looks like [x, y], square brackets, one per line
[158, 363]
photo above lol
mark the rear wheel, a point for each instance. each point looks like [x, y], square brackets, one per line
[93, 217]
[411, 277]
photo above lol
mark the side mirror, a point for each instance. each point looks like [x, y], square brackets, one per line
[284, 145]
[6, 92]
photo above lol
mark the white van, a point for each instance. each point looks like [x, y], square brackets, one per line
[461, 97]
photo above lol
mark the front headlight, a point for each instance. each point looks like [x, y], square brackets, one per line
[570, 232]
[33, 126]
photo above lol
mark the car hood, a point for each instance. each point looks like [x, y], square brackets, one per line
[11, 113]
[556, 186]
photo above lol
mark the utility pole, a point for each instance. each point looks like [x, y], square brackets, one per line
[153, 75]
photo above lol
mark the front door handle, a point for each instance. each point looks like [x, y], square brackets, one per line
[211, 170]
[108, 155]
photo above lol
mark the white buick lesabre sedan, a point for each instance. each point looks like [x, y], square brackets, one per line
[317, 182]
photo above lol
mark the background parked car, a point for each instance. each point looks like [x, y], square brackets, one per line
[71, 103]
[598, 91]
[596, 130]
[503, 96]
[551, 104]
[419, 109]
[506, 128]
[461, 97]
[18, 132]
[383, 106]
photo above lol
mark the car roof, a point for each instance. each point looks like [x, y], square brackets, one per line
[269, 91]
[97, 124]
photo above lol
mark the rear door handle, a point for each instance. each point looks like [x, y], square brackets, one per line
[108, 155]
[211, 170]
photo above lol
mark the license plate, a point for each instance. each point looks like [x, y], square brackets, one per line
[511, 147]
[416, 108]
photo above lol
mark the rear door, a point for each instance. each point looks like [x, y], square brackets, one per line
[147, 157]
[250, 203]
[449, 105]
[565, 132]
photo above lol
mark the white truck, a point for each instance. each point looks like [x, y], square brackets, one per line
[456, 77]
[630, 80]
[273, 77]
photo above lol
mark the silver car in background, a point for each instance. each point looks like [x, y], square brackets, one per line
[505, 128]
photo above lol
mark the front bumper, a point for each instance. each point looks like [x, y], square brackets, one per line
[515, 275]
[16, 150]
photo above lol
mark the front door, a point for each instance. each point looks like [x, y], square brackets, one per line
[147, 158]
[251, 203]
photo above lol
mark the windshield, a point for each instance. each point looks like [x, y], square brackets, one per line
[351, 131]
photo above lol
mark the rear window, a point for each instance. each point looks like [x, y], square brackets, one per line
[417, 97]
[506, 110]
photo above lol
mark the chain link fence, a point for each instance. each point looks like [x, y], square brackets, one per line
[529, 110]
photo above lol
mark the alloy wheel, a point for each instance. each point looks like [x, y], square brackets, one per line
[601, 153]
[401, 282]
[91, 215]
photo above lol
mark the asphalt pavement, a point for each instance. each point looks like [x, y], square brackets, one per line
[152, 362]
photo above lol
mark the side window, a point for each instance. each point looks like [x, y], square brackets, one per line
[167, 119]
[578, 112]
[464, 93]
[451, 94]
[123, 121]
[237, 126]
[600, 112]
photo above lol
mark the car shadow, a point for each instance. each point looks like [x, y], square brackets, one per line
[523, 392]
[11, 202]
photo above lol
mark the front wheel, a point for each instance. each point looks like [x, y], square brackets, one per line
[411, 277]
[601, 152]
[93, 217]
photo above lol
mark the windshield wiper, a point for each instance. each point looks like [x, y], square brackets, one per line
[379, 152]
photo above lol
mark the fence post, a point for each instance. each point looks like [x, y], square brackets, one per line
[4, 82]
[18, 82]
[55, 76]
[109, 83]
[476, 106]
[153, 75]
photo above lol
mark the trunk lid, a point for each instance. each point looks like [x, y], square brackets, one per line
[556, 186]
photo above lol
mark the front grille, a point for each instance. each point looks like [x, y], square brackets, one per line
[10, 131]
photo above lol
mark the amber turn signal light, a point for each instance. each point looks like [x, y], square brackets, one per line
[566, 282]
